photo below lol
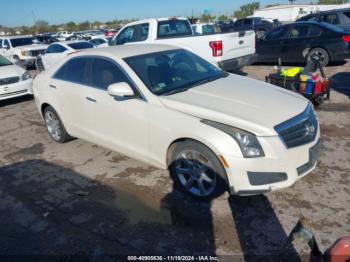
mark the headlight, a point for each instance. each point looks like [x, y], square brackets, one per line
[26, 75]
[248, 142]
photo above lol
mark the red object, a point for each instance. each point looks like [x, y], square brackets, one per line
[340, 251]
[217, 48]
[346, 38]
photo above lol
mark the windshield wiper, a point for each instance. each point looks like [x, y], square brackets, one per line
[207, 80]
[175, 91]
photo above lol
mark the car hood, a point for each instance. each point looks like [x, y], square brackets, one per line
[241, 102]
[10, 71]
[33, 47]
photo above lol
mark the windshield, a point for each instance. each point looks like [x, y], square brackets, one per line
[21, 41]
[81, 45]
[173, 71]
[4, 61]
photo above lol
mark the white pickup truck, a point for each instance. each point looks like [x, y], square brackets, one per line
[21, 49]
[230, 51]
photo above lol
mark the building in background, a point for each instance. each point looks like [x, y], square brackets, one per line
[290, 13]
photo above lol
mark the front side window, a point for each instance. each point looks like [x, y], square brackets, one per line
[279, 33]
[54, 49]
[174, 28]
[299, 31]
[173, 71]
[134, 33]
[126, 35]
[21, 41]
[105, 73]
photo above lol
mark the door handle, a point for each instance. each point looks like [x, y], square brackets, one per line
[91, 99]
[52, 86]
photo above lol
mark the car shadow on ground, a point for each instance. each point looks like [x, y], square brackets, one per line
[16, 100]
[49, 212]
[341, 83]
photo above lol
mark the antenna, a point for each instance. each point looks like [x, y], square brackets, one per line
[33, 15]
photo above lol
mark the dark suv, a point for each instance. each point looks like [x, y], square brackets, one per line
[338, 17]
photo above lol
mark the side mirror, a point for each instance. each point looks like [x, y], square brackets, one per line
[121, 89]
[6, 47]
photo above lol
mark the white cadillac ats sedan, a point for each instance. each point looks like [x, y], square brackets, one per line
[172, 109]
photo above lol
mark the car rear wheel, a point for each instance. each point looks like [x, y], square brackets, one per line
[321, 54]
[54, 126]
[197, 171]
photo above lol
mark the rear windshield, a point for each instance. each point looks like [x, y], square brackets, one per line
[21, 41]
[4, 61]
[81, 45]
[174, 28]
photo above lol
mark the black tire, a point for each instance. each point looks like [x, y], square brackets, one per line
[213, 170]
[322, 54]
[61, 135]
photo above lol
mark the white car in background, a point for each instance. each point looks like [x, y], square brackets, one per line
[171, 108]
[100, 42]
[92, 34]
[58, 50]
[63, 35]
[14, 80]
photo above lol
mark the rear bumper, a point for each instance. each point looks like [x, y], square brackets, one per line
[237, 63]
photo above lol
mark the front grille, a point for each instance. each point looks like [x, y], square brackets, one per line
[9, 80]
[299, 130]
[35, 53]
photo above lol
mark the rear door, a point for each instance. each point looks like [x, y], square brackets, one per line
[300, 39]
[70, 97]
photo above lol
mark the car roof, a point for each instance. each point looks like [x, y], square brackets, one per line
[66, 43]
[126, 50]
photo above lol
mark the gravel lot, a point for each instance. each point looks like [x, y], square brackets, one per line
[81, 199]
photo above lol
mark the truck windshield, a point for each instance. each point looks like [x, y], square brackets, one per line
[4, 61]
[173, 71]
[174, 28]
[21, 41]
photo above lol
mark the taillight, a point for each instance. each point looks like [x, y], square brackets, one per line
[216, 46]
[346, 38]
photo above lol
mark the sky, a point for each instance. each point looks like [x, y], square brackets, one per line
[22, 12]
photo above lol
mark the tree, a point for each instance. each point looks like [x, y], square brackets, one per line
[332, 2]
[41, 25]
[71, 26]
[222, 18]
[246, 10]
[206, 18]
[84, 26]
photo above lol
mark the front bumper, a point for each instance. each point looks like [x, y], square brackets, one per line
[281, 166]
[237, 63]
[18, 89]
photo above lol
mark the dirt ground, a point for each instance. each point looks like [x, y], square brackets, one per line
[78, 200]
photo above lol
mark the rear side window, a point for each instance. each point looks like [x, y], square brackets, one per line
[174, 28]
[75, 70]
[330, 18]
[248, 21]
[81, 45]
[135, 33]
[105, 73]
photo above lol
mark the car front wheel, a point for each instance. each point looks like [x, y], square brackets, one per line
[54, 126]
[196, 170]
